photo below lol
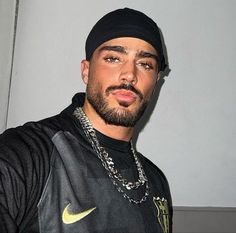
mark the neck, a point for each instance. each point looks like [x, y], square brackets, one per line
[113, 131]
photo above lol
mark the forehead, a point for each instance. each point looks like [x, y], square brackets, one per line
[130, 44]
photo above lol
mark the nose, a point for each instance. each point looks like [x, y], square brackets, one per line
[128, 73]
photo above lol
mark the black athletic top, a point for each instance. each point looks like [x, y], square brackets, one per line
[51, 181]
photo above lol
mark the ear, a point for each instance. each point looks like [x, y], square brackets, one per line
[84, 66]
[158, 76]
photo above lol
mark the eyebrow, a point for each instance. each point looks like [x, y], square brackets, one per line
[143, 54]
[115, 48]
[123, 50]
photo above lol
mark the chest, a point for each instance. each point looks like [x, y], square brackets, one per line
[80, 197]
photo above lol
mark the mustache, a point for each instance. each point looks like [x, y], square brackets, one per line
[124, 86]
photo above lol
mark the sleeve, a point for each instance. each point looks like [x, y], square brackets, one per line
[24, 168]
[12, 191]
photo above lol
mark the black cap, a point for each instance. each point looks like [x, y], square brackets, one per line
[125, 23]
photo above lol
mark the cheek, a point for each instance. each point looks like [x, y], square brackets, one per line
[148, 87]
[100, 73]
[108, 75]
[97, 82]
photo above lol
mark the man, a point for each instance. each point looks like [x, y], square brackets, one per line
[78, 172]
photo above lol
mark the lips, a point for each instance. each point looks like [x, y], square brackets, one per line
[124, 96]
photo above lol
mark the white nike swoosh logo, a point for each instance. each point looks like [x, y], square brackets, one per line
[69, 218]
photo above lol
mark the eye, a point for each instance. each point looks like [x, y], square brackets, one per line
[146, 65]
[112, 59]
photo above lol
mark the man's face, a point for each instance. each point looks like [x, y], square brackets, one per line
[120, 79]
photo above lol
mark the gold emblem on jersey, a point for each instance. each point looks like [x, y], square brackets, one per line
[69, 218]
[162, 213]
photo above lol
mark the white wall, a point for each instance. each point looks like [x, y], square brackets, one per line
[191, 133]
[7, 15]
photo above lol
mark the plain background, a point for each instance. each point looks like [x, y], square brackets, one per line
[191, 133]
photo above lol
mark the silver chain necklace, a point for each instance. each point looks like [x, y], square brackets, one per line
[108, 163]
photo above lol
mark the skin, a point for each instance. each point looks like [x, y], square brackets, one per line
[119, 61]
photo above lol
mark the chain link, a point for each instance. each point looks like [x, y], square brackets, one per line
[108, 163]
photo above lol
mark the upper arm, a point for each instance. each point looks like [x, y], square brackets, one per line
[12, 193]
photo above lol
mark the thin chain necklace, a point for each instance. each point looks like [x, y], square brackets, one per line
[117, 179]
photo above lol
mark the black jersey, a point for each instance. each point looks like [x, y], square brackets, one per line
[51, 181]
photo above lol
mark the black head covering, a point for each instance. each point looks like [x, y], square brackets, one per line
[125, 23]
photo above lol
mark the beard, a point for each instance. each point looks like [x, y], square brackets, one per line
[115, 115]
